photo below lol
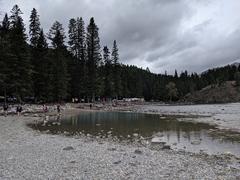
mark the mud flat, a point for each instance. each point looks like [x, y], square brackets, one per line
[225, 116]
[29, 154]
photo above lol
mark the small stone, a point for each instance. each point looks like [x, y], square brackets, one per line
[166, 147]
[156, 140]
[35, 115]
[196, 142]
[117, 162]
[68, 148]
[112, 149]
[135, 134]
[138, 152]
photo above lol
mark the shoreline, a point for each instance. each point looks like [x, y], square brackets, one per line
[29, 154]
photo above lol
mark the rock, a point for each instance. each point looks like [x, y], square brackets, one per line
[35, 115]
[159, 135]
[137, 151]
[227, 153]
[112, 149]
[166, 147]
[117, 162]
[68, 148]
[135, 134]
[196, 142]
[156, 140]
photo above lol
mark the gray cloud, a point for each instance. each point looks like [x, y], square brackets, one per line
[159, 34]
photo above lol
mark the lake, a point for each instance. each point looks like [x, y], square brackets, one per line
[179, 135]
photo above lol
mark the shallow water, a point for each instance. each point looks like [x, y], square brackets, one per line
[188, 136]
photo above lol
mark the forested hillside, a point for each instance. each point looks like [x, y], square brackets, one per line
[51, 67]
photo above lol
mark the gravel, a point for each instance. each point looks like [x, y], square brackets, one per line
[29, 154]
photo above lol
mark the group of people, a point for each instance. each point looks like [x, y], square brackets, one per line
[19, 109]
[6, 107]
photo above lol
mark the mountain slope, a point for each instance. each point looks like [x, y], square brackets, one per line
[226, 92]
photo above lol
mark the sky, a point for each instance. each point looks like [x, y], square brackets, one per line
[163, 35]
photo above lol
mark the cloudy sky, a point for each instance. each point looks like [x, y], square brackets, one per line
[191, 35]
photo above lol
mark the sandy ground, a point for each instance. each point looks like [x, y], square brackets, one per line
[29, 154]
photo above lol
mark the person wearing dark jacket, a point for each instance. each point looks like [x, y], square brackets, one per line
[5, 108]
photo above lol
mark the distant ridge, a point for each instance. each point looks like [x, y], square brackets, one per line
[236, 63]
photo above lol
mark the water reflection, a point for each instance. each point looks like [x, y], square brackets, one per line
[180, 135]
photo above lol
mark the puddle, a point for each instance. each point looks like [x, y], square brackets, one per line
[188, 136]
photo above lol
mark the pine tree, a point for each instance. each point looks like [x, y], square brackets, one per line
[72, 36]
[108, 82]
[93, 58]
[43, 69]
[34, 35]
[175, 74]
[81, 40]
[77, 47]
[116, 73]
[34, 28]
[21, 69]
[81, 55]
[5, 24]
[4, 56]
[59, 61]
[57, 36]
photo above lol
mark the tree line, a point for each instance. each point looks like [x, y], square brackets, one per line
[46, 67]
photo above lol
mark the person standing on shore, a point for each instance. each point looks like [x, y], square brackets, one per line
[19, 110]
[5, 108]
[45, 108]
[59, 109]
